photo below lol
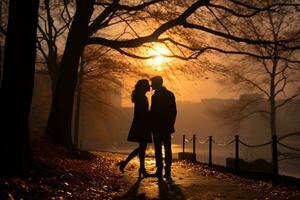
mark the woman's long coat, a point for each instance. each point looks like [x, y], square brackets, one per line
[140, 128]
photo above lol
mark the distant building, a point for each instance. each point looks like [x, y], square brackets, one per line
[251, 97]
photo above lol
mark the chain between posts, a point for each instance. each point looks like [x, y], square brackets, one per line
[259, 145]
[223, 144]
[249, 145]
[288, 147]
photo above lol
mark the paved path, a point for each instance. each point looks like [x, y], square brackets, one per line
[187, 183]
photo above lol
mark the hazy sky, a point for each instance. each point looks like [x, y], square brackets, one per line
[185, 86]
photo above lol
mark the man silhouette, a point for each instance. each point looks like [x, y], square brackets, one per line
[163, 115]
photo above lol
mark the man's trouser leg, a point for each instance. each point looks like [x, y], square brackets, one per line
[158, 152]
[168, 154]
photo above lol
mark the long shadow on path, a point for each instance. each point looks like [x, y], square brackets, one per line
[166, 190]
[169, 190]
[132, 193]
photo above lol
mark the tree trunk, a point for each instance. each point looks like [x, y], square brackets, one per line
[273, 118]
[53, 77]
[272, 107]
[78, 104]
[60, 122]
[273, 111]
[17, 86]
[1, 51]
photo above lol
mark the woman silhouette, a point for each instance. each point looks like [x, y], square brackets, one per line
[140, 127]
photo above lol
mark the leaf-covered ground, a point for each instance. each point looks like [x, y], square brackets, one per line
[70, 174]
[64, 174]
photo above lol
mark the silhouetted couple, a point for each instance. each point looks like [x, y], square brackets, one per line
[157, 122]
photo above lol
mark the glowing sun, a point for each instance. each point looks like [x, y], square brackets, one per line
[158, 52]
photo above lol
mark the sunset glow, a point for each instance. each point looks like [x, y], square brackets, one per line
[157, 62]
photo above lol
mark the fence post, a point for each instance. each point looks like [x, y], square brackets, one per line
[210, 151]
[236, 153]
[274, 160]
[183, 143]
[194, 148]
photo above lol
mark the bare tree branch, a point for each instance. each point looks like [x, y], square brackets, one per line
[288, 100]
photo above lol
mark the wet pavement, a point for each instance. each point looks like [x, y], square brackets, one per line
[187, 183]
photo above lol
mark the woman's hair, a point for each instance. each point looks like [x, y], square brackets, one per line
[139, 89]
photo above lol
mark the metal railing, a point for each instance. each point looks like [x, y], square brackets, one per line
[274, 142]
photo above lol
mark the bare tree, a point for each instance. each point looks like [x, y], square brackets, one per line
[17, 86]
[55, 18]
[272, 69]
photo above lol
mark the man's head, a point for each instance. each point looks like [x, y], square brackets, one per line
[156, 82]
